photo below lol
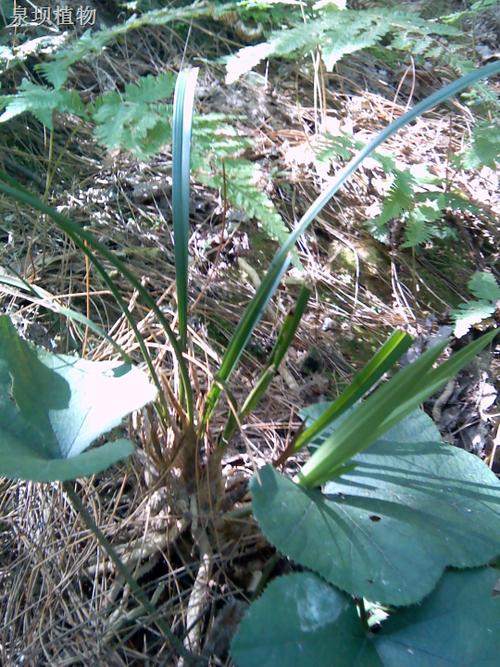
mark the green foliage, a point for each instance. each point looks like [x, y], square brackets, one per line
[17, 44]
[487, 292]
[399, 481]
[418, 201]
[419, 39]
[417, 229]
[283, 342]
[358, 530]
[384, 533]
[474, 9]
[390, 33]
[268, 13]
[216, 144]
[134, 120]
[52, 407]
[338, 33]
[484, 149]
[6, 12]
[281, 260]
[383, 360]
[396, 508]
[385, 408]
[484, 286]
[92, 43]
[216, 138]
[138, 121]
[181, 171]
[244, 188]
[41, 101]
[399, 197]
[300, 620]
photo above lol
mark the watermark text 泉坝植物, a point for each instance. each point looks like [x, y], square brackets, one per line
[60, 15]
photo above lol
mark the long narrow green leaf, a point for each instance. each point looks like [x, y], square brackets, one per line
[388, 354]
[383, 409]
[290, 326]
[281, 260]
[359, 430]
[283, 342]
[241, 336]
[437, 377]
[181, 154]
[84, 240]
[46, 299]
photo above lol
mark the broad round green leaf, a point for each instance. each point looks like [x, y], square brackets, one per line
[52, 407]
[301, 621]
[458, 625]
[387, 530]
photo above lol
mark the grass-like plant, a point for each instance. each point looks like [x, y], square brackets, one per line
[377, 513]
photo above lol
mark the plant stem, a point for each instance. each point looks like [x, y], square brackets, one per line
[137, 591]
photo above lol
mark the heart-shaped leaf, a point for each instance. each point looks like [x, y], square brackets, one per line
[52, 407]
[386, 530]
[458, 625]
[300, 620]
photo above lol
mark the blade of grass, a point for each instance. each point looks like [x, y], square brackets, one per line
[394, 400]
[438, 377]
[240, 338]
[84, 240]
[282, 344]
[359, 430]
[389, 353]
[40, 296]
[290, 326]
[181, 153]
[281, 260]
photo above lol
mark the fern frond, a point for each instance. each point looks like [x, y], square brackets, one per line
[280, 43]
[92, 43]
[330, 147]
[151, 88]
[418, 229]
[353, 31]
[245, 191]
[486, 289]
[399, 198]
[135, 120]
[216, 142]
[338, 33]
[215, 138]
[453, 200]
[484, 149]
[470, 313]
[484, 286]
[41, 101]
[56, 70]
